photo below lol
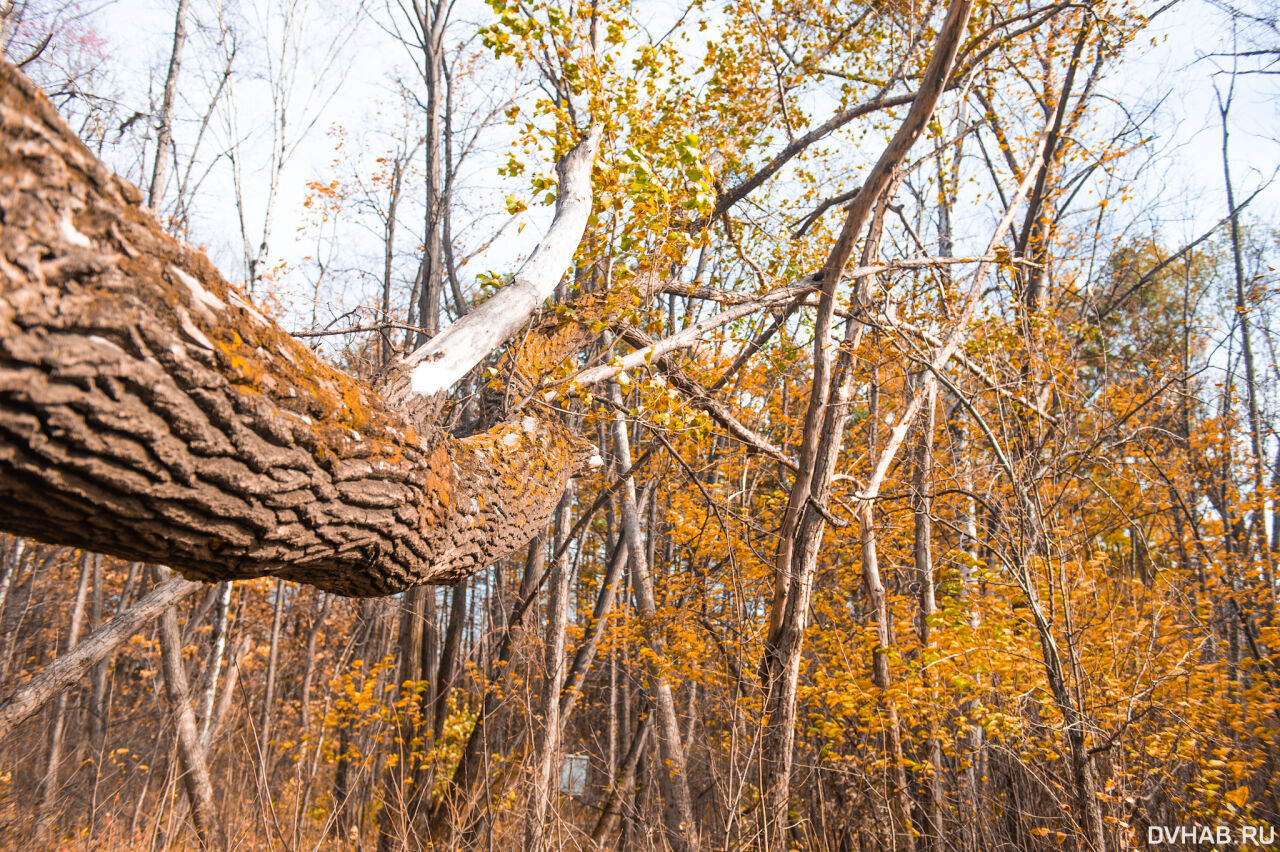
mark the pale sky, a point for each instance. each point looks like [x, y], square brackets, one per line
[1181, 193]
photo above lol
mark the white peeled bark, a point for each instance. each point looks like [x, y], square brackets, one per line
[449, 355]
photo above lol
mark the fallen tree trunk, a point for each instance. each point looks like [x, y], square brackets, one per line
[149, 411]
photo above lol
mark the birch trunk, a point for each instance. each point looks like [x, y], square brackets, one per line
[11, 563]
[236, 661]
[269, 691]
[218, 643]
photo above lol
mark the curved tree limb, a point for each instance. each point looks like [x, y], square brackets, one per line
[149, 411]
[448, 356]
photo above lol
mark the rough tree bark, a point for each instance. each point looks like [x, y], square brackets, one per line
[147, 410]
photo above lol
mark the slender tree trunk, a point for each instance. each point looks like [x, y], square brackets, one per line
[1084, 780]
[218, 650]
[803, 523]
[921, 507]
[548, 752]
[1256, 438]
[899, 803]
[586, 653]
[973, 735]
[613, 734]
[323, 602]
[9, 623]
[164, 122]
[1033, 238]
[623, 784]
[195, 772]
[901, 830]
[12, 562]
[269, 691]
[53, 759]
[460, 305]
[432, 24]
[347, 789]
[678, 820]
[98, 678]
[388, 247]
[96, 742]
[440, 666]
[395, 817]
[131, 583]
[1275, 503]
[450, 654]
[429, 650]
[226, 694]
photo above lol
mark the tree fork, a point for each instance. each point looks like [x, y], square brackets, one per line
[149, 411]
